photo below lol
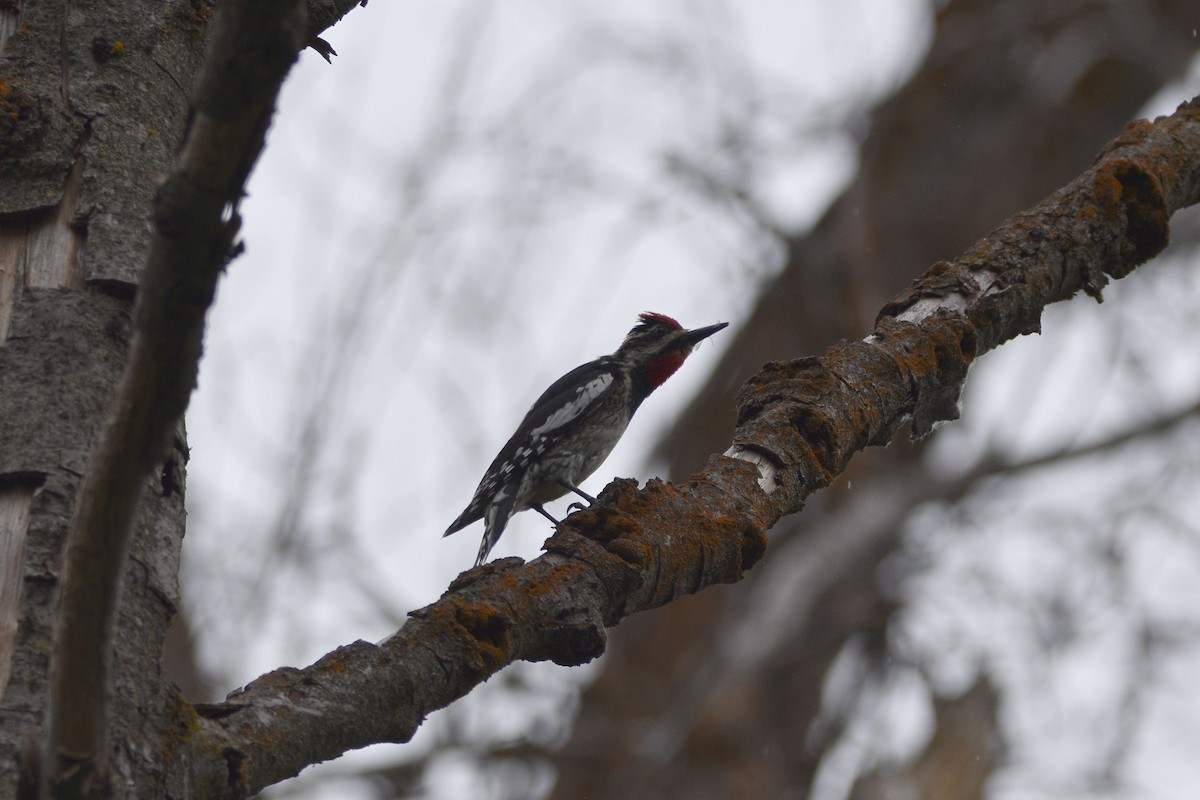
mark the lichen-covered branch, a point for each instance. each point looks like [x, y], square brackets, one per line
[799, 423]
[810, 415]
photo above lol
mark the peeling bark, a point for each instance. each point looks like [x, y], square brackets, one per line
[15, 499]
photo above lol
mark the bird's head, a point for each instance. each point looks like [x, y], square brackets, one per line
[660, 345]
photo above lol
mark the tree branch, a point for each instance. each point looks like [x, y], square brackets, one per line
[997, 465]
[799, 423]
[196, 220]
[323, 14]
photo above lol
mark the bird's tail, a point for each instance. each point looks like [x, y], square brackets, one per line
[495, 519]
[469, 515]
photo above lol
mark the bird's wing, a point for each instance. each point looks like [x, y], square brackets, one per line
[564, 401]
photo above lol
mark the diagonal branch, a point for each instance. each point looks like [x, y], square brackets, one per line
[799, 423]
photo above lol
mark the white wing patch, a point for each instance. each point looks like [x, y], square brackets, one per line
[584, 396]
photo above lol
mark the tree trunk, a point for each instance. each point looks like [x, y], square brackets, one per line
[94, 96]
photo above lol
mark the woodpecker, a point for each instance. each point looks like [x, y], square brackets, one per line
[575, 424]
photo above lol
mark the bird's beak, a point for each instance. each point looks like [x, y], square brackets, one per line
[696, 335]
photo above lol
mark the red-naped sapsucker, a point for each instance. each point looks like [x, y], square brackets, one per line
[575, 424]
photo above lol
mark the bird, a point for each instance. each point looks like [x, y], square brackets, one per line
[571, 429]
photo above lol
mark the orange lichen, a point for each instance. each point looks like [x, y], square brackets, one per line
[1133, 195]
[15, 125]
[489, 628]
[1108, 194]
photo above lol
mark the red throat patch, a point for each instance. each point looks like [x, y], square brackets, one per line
[659, 368]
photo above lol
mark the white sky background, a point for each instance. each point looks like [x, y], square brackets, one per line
[417, 272]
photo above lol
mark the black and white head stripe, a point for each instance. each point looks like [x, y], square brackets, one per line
[651, 326]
